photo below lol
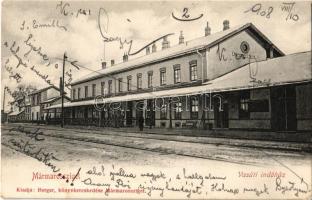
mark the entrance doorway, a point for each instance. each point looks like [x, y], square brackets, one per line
[283, 108]
[129, 113]
[73, 113]
[139, 108]
[150, 113]
[221, 114]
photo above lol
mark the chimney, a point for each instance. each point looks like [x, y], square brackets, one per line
[148, 50]
[165, 43]
[112, 62]
[181, 38]
[125, 58]
[207, 30]
[154, 48]
[226, 25]
[103, 65]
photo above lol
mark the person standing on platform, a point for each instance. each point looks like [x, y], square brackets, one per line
[141, 123]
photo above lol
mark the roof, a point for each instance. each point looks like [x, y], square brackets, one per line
[282, 70]
[44, 89]
[51, 99]
[184, 48]
[294, 68]
[54, 99]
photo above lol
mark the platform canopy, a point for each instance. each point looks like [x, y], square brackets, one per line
[16, 113]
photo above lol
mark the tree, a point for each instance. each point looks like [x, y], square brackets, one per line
[20, 93]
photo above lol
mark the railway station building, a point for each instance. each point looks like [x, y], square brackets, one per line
[233, 79]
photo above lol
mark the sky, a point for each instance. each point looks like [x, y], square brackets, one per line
[140, 21]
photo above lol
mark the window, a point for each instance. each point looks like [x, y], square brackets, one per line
[129, 83]
[243, 105]
[176, 73]
[139, 81]
[244, 47]
[163, 111]
[163, 76]
[74, 93]
[86, 91]
[38, 99]
[93, 90]
[150, 79]
[194, 107]
[79, 89]
[102, 88]
[177, 110]
[110, 87]
[120, 85]
[193, 70]
[33, 101]
[259, 105]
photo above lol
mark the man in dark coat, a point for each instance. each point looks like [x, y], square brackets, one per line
[141, 123]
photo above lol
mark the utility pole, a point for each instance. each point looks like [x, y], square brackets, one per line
[62, 89]
[2, 111]
[3, 98]
[170, 113]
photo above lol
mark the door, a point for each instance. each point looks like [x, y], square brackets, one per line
[139, 111]
[73, 112]
[102, 118]
[283, 108]
[150, 113]
[291, 108]
[129, 113]
[221, 114]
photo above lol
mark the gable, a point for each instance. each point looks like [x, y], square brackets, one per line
[232, 53]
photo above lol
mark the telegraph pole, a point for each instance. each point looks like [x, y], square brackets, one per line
[62, 89]
[170, 113]
[3, 98]
[3, 107]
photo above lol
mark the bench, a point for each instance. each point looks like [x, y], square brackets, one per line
[189, 124]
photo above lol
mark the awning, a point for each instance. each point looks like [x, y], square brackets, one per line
[282, 70]
[15, 113]
[295, 68]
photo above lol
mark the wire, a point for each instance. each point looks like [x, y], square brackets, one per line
[80, 66]
[104, 74]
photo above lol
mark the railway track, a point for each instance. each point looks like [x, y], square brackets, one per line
[80, 139]
[155, 136]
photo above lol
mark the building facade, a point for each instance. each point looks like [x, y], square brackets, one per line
[41, 99]
[222, 80]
